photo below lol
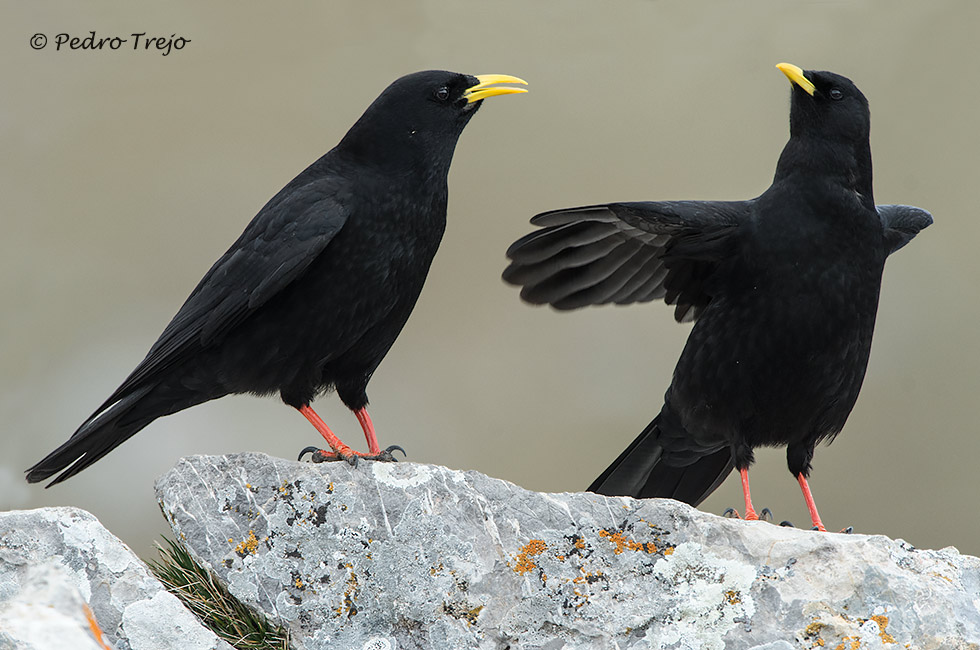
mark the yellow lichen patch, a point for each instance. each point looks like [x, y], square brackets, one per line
[813, 629]
[523, 557]
[248, 546]
[580, 544]
[472, 614]
[299, 583]
[732, 597]
[624, 543]
[882, 622]
[349, 605]
[669, 550]
[938, 575]
[462, 611]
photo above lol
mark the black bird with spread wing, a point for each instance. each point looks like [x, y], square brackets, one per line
[317, 288]
[783, 290]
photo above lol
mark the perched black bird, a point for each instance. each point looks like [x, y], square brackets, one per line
[317, 288]
[783, 289]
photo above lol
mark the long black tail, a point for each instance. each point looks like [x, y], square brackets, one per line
[122, 416]
[639, 472]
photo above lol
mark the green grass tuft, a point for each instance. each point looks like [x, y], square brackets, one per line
[212, 604]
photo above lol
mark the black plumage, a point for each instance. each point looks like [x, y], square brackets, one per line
[315, 291]
[783, 290]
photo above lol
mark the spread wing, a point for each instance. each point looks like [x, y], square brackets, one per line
[623, 253]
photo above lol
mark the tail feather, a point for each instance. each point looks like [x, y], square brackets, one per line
[639, 472]
[627, 475]
[105, 430]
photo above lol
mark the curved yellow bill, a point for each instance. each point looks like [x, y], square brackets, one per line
[795, 74]
[486, 88]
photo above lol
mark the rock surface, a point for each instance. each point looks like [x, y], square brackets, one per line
[406, 556]
[56, 561]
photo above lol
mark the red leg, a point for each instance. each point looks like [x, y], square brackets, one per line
[814, 516]
[368, 427]
[750, 513]
[335, 443]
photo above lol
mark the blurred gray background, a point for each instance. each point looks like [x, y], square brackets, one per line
[125, 174]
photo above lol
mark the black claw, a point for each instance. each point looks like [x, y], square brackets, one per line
[308, 450]
[394, 448]
[766, 514]
[730, 513]
[787, 524]
[848, 530]
[318, 455]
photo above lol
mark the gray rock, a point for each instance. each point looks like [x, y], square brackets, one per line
[56, 561]
[406, 556]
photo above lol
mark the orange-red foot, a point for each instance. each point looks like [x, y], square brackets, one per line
[750, 513]
[323, 456]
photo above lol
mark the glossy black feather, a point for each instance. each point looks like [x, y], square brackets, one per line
[316, 289]
[783, 289]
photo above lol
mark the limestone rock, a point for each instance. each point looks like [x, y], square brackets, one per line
[406, 556]
[55, 562]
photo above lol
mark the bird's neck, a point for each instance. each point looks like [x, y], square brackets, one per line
[848, 165]
[399, 151]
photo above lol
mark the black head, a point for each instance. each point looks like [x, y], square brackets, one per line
[830, 127]
[421, 115]
[826, 105]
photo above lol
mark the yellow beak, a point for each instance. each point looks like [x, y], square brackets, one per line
[486, 89]
[795, 74]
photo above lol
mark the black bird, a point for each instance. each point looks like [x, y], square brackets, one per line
[314, 292]
[783, 289]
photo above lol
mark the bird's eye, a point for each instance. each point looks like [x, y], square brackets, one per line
[442, 94]
[835, 94]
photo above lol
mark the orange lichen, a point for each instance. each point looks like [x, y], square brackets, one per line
[529, 550]
[624, 543]
[882, 622]
[94, 626]
[586, 577]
